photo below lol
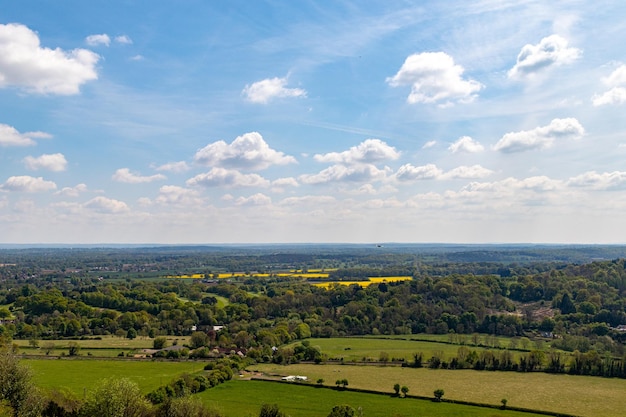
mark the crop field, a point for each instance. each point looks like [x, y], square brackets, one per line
[370, 349]
[76, 375]
[244, 399]
[578, 395]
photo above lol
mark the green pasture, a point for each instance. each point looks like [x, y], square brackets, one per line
[244, 399]
[578, 395]
[107, 346]
[78, 375]
[369, 349]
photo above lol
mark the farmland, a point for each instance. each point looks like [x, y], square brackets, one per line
[539, 391]
[243, 399]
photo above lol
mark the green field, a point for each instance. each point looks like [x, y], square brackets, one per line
[369, 349]
[76, 375]
[244, 399]
[107, 346]
[578, 395]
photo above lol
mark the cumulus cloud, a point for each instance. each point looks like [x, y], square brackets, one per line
[101, 39]
[435, 78]
[265, 90]
[599, 181]
[257, 199]
[408, 172]
[617, 93]
[550, 51]
[511, 185]
[25, 64]
[55, 162]
[27, 184]
[367, 152]
[342, 173]
[9, 136]
[178, 196]
[176, 167]
[106, 205]
[248, 151]
[429, 144]
[308, 200]
[72, 191]
[466, 144]
[467, 172]
[220, 177]
[123, 39]
[540, 137]
[283, 182]
[124, 175]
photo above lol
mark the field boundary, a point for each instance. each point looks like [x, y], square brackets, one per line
[417, 397]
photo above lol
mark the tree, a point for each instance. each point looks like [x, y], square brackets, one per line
[199, 339]
[270, 410]
[438, 394]
[48, 347]
[344, 383]
[16, 387]
[343, 410]
[74, 348]
[116, 398]
[131, 333]
[396, 389]
[405, 390]
[159, 343]
[503, 401]
[186, 406]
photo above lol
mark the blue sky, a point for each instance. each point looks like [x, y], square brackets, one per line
[301, 121]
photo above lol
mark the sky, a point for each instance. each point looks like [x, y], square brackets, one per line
[285, 121]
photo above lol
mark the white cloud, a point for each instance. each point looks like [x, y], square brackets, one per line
[540, 137]
[55, 162]
[123, 39]
[27, 184]
[283, 182]
[25, 64]
[599, 181]
[429, 144]
[466, 144]
[220, 177]
[9, 136]
[176, 167]
[511, 185]
[367, 152]
[435, 78]
[340, 173]
[258, 199]
[308, 201]
[248, 151]
[617, 94]
[72, 191]
[106, 205]
[265, 90]
[124, 175]
[101, 39]
[408, 172]
[467, 172]
[178, 196]
[550, 51]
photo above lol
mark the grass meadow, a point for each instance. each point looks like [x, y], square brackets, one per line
[358, 349]
[107, 346]
[244, 399]
[78, 375]
[578, 395]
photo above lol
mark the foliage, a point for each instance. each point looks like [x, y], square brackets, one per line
[343, 410]
[270, 410]
[115, 398]
[438, 393]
